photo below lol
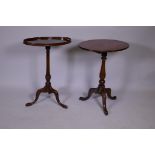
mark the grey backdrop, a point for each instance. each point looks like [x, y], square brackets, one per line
[130, 74]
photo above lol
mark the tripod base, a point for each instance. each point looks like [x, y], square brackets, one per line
[101, 91]
[47, 89]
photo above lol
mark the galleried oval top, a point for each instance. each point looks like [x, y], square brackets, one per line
[47, 41]
[104, 45]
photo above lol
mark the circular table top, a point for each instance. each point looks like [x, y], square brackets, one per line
[104, 45]
[47, 41]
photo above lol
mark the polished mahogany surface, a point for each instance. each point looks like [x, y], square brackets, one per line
[47, 41]
[104, 45]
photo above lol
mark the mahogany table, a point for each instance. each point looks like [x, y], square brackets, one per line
[102, 46]
[47, 42]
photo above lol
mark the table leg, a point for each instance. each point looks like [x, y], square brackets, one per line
[47, 88]
[90, 92]
[36, 98]
[104, 104]
[108, 91]
[57, 98]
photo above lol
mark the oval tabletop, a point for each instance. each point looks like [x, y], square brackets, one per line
[104, 45]
[47, 41]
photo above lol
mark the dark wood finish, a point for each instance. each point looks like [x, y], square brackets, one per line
[47, 88]
[47, 41]
[100, 46]
[104, 45]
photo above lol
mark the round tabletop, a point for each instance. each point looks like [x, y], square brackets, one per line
[104, 45]
[47, 41]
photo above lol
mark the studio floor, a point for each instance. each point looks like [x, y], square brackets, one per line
[132, 109]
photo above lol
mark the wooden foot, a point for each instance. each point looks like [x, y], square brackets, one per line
[104, 104]
[58, 100]
[49, 90]
[90, 92]
[39, 91]
[108, 91]
[103, 92]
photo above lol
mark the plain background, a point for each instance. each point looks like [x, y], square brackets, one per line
[130, 74]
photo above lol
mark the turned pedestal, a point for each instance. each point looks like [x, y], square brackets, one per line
[101, 90]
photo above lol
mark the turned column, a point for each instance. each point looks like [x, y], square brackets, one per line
[48, 76]
[102, 75]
